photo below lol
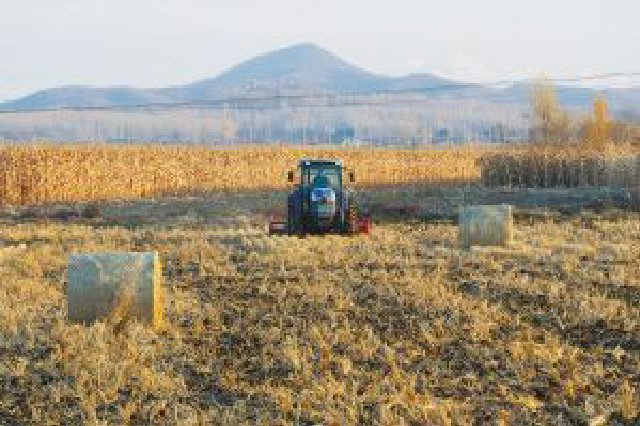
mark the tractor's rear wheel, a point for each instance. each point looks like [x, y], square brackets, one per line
[294, 214]
[352, 219]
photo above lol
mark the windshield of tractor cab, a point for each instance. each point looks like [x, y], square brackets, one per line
[321, 176]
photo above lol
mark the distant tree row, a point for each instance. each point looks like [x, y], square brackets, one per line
[407, 120]
[553, 124]
[409, 123]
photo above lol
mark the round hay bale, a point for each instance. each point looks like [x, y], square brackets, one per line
[485, 225]
[101, 284]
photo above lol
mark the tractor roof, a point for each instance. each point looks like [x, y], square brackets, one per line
[319, 162]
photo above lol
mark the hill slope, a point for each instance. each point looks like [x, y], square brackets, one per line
[304, 68]
[295, 69]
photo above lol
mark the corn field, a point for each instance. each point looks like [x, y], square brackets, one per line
[36, 174]
[561, 168]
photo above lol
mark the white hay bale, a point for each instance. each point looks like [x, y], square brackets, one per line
[100, 283]
[485, 225]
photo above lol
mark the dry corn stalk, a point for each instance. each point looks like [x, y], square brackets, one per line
[552, 167]
[50, 173]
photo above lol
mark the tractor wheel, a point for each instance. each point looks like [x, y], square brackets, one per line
[352, 219]
[291, 221]
[294, 216]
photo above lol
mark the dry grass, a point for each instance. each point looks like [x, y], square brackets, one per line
[568, 167]
[35, 174]
[401, 327]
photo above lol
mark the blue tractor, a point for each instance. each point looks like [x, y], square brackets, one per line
[320, 203]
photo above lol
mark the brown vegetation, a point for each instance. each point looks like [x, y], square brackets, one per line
[551, 122]
[401, 327]
[554, 125]
[35, 174]
[553, 167]
[44, 173]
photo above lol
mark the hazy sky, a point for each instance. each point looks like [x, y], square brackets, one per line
[152, 43]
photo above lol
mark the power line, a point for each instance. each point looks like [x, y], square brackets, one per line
[598, 76]
[339, 98]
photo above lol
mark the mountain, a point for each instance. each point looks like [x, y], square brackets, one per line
[296, 69]
[306, 68]
[85, 96]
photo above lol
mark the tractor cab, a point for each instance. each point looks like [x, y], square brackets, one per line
[320, 174]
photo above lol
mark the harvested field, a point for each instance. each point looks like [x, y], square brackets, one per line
[401, 327]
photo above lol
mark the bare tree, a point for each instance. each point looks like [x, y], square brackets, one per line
[551, 122]
[228, 127]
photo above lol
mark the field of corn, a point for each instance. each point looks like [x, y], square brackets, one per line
[35, 174]
[401, 327]
[546, 167]
[43, 173]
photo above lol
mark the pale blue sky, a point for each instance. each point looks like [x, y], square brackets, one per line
[153, 43]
